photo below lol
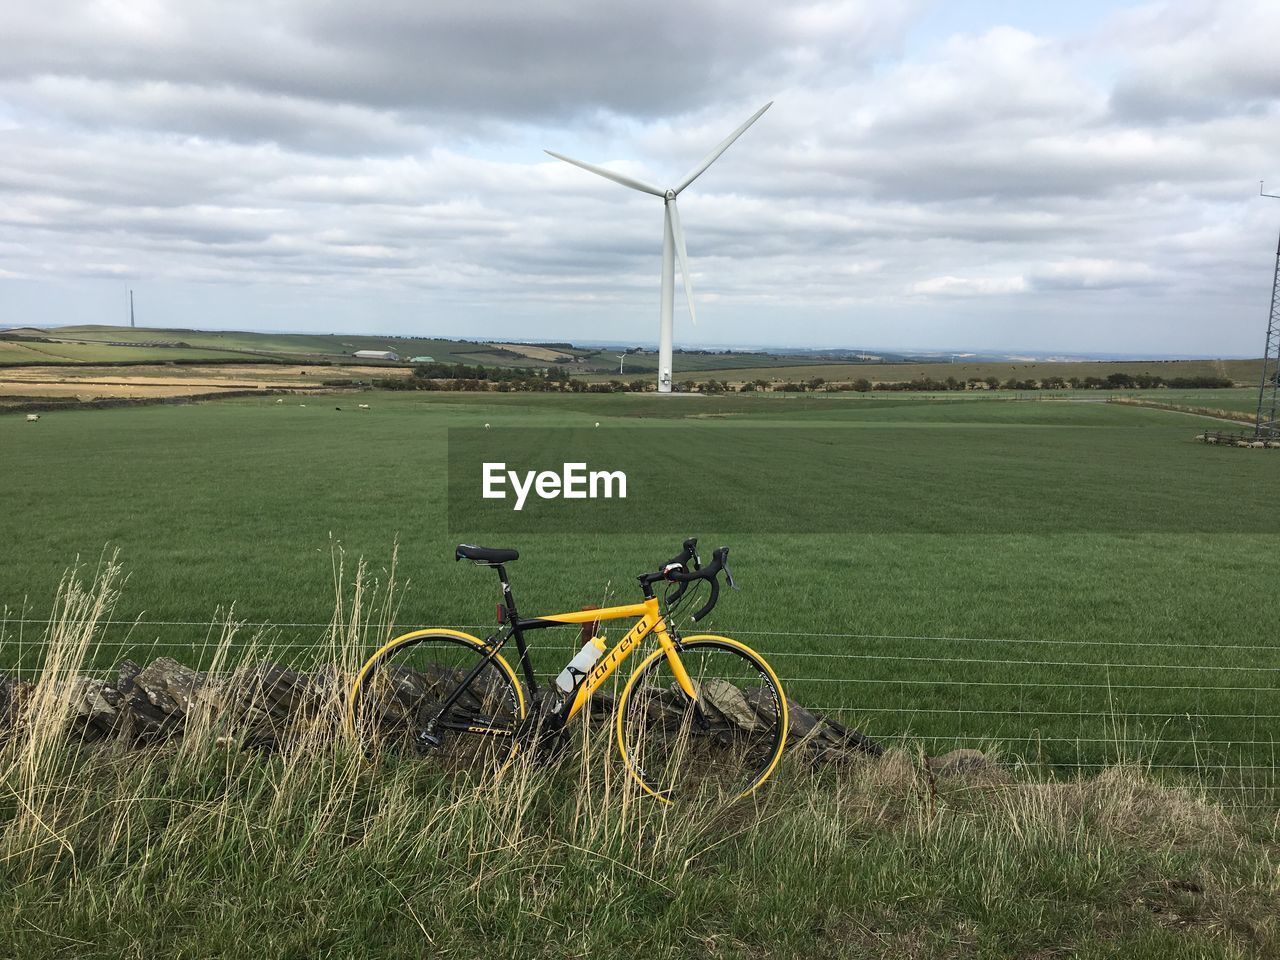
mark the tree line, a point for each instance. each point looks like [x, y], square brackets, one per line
[466, 377]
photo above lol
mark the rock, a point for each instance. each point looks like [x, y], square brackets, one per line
[94, 714]
[257, 704]
[126, 670]
[830, 740]
[264, 700]
[272, 691]
[13, 694]
[153, 702]
[728, 701]
[169, 686]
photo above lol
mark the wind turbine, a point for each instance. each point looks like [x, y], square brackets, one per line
[672, 238]
[622, 358]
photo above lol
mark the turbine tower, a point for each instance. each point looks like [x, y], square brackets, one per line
[672, 239]
[622, 358]
[1266, 426]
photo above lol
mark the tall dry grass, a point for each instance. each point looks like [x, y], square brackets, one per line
[198, 846]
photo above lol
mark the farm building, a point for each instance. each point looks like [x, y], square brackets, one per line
[422, 359]
[376, 355]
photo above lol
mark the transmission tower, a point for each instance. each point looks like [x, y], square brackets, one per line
[1266, 426]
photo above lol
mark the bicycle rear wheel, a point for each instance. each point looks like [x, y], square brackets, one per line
[725, 743]
[396, 700]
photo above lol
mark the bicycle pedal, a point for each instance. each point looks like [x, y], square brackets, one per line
[425, 742]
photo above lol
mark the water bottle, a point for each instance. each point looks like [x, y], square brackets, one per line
[581, 663]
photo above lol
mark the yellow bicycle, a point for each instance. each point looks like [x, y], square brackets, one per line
[699, 712]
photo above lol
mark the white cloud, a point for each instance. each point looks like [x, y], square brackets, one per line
[382, 165]
[968, 286]
[1087, 274]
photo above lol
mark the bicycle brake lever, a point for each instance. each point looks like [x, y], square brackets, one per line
[728, 576]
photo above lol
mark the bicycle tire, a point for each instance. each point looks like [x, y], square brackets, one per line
[728, 742]
[404, 683]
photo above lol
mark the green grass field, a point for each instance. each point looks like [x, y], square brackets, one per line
[1244, 399]
[99, 344]
[14, 351]
[1118, 632]
[1068, 584]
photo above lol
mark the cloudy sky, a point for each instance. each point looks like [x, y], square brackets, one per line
[1042, 177]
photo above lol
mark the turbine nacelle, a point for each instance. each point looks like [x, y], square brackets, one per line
[673, 246]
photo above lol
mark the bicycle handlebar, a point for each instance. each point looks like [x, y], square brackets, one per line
[689, 555]
[676, 571]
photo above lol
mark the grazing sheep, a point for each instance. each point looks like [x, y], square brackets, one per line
[363, 406]
[303, 406]
[32, 417]
[1257, 444]
[279, 399]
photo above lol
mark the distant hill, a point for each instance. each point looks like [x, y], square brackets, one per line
[28, 346]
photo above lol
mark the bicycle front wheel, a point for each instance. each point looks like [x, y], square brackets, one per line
[397, 701]
[724, 743]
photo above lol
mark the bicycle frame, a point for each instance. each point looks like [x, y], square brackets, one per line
[649, 620]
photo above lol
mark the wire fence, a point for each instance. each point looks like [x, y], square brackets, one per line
[1149, 701]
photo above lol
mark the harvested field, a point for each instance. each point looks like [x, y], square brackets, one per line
[101, 389]
[168, 380]
[534, 353]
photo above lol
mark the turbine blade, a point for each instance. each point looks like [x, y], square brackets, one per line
[724, 145]
[608, 174]
[682, 257]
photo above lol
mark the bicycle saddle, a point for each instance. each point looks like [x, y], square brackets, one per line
[466, 551]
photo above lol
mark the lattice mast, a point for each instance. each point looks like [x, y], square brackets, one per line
[1266, 425]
